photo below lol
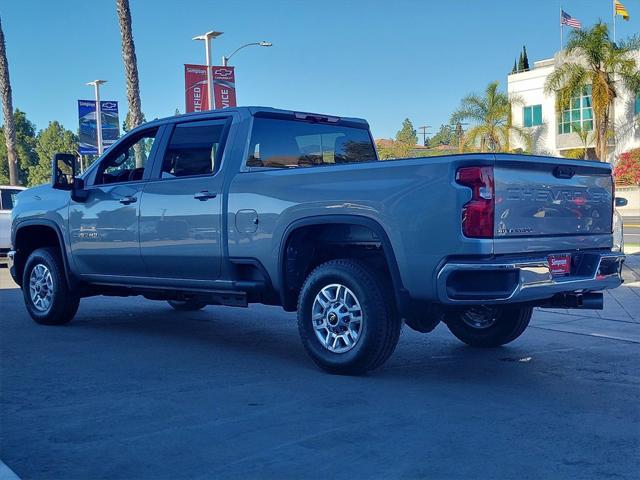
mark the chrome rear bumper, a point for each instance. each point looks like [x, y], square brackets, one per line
[525, 279]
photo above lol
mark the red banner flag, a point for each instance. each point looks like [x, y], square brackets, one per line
[195, 88]
[224, 87]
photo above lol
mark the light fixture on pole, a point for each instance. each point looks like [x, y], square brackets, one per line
[225, 60]
[207, 37]
[96, 88]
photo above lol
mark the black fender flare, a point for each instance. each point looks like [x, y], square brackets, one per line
[44, 222]
[400, 293]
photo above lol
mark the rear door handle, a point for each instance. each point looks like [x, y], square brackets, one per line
[204, 195]
[128, 199]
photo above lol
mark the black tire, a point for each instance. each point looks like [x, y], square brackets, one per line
[186, 305]
[508, 323]
[380, 325]
[63, 303]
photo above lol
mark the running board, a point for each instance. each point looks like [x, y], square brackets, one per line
[230, 298]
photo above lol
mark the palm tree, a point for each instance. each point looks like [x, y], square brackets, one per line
[585, 138]
[491, 118]
[134, 117]
[602, 64]
[7, 110]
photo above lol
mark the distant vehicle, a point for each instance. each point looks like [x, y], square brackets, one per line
[294, 209]
[7, 200]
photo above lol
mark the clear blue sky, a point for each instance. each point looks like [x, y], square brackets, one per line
[381, 60]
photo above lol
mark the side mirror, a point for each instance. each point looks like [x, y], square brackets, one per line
[621, 202]
[63, 171]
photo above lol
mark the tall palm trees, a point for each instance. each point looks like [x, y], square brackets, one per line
[7, 110]
[491, 118]
[593, 59]
[134, 117]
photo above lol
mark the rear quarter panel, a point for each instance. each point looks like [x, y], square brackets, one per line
[415, 201]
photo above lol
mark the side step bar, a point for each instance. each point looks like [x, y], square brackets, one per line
[230, 298]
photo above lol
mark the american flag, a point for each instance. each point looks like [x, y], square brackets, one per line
[568, 20]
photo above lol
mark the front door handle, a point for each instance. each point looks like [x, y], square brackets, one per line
[127, 200]
[204, 195]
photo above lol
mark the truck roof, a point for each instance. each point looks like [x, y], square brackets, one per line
[258, 111]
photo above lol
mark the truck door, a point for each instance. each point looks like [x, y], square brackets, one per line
[180, 212]
[104, 228]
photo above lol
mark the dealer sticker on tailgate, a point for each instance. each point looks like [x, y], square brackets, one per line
[559, 264]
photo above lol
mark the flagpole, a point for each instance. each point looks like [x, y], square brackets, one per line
[614, 20]
[561, 25]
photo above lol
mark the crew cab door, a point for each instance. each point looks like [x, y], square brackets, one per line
[104, 228]
[181, 208]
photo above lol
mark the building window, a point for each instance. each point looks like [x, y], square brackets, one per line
[579, 113]
[638, 103]
[532, 115]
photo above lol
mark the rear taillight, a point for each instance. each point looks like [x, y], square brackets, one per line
[477, 213]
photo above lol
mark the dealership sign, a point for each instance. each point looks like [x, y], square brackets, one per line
[224, 86]
[195, 87]
[88, 132]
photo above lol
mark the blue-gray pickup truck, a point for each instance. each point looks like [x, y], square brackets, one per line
[259, 205]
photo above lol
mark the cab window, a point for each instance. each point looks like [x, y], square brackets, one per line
[194, 149]
[289, 144]
[8, 198]
[128, 160]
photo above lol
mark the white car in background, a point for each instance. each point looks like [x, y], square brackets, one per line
[7, 200]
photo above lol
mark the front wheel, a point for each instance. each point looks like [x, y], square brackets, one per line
[47, 296]
[488, 326]
[347, 318]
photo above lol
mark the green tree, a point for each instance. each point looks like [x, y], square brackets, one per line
[407, 135]
[53, 139]
[491, 118]
[445, 136]
[515, 68]
[594, 60]
[521, 63]
[127, 121]
[25, 135]
[525, 58]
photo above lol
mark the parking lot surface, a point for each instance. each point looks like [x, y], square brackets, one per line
[132, 389]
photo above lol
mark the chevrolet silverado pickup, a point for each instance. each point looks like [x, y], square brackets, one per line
[259, 205]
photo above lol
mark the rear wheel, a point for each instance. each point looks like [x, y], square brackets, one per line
[44, 287]
[347, 318]
[488, 326]
[186, 305]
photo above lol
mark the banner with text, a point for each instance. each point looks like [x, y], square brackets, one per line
[224, 87]
[88, 132]
[195, 88]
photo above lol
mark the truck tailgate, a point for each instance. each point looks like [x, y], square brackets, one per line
[544, 197]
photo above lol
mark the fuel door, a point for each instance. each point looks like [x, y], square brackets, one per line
[246, 221]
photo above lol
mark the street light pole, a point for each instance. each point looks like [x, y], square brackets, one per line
[225, 60]
[96, 88]
[207, 37]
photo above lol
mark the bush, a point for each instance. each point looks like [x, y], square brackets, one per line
[627, 170]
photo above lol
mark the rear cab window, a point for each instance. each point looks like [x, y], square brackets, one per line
[195, 148]
[279, 143]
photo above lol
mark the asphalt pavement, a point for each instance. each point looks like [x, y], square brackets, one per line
[132, 389]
